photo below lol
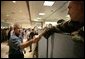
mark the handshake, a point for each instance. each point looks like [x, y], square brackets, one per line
[36, 38]
[47, 32]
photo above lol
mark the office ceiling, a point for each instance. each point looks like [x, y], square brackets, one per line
[19, 13]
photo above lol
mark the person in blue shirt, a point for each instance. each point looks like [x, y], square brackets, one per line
[16, 45]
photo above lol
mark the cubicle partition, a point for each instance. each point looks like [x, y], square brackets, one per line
[57, 46]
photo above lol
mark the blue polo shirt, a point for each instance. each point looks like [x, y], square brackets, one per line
[14, 44]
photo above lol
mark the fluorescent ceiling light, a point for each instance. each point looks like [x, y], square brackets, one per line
[48, 3]
[14, 1]
[41, 13]
[35, 19]
[38, 18]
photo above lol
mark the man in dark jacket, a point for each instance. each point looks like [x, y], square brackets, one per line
[76, 12]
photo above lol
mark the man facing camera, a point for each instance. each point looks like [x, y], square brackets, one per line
[16, 45]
